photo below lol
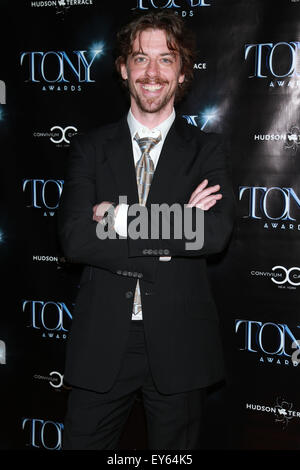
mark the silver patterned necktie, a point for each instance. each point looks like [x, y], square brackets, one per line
[144, 175]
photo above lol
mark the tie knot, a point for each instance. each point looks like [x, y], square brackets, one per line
[146, 143]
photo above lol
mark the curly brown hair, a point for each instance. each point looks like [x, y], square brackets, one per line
[179, 39]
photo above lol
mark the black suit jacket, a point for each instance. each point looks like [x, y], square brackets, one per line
[180, 318]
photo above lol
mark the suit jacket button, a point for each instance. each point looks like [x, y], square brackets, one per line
[166, 252]
[129, 294]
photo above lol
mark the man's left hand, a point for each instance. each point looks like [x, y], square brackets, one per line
[204, 197]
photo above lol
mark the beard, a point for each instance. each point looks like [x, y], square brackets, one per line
[151, 104]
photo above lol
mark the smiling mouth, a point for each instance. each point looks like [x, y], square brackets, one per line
[152, 87]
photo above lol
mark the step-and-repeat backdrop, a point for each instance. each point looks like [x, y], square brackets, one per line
[57, 79]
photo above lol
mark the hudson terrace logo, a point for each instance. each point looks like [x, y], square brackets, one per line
[282, 411]
[289, 140]
[62, 6]
[276, 62]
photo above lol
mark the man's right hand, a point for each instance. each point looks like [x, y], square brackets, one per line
[99, 210]
[203, 197]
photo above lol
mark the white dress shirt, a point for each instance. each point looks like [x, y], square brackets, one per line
[143, 131]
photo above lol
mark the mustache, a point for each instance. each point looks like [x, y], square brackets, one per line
[153, 81]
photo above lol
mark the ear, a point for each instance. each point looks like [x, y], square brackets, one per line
[123, 70]
[181, 78]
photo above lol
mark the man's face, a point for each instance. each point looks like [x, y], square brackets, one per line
[153, 72]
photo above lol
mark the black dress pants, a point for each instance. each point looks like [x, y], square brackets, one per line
[95, 421]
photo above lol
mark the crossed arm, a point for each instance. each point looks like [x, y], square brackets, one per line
[78, 216]
[204, 197]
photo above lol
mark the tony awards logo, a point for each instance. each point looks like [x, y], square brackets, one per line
[2, 92]
[275, 61]
[277, 207]
[61, 70]
[181, 7]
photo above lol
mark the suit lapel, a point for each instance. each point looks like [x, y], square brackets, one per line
[173, 162]
[119, 151]
[171, 165]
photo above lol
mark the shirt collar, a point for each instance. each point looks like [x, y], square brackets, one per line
[143, 131]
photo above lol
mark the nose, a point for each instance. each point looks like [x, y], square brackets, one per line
[152, 69]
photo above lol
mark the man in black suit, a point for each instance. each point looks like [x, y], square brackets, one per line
[145, 318]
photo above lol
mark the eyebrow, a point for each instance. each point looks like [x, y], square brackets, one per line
[163, 54]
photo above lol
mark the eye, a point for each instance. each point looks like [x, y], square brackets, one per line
[140, 59]
[167, 60]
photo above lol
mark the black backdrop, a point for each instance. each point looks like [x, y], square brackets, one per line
[57, 67]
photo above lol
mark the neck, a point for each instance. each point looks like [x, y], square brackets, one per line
[151, 120]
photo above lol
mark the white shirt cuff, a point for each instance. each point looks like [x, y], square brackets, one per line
[121, 220]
